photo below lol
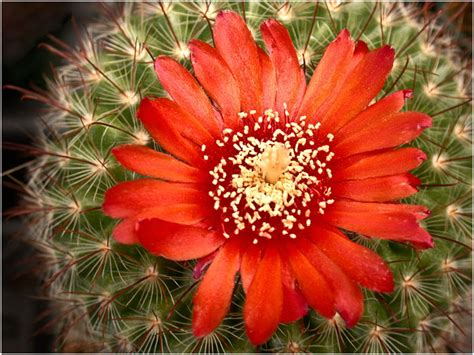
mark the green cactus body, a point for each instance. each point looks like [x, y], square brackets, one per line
[112, 297]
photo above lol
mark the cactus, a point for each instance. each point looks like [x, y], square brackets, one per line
[112, 297]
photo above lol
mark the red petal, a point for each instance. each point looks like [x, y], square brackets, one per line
[418, 211]
[385, 132]
[361, 49]
[359, 263]
[239, 50]
[312, 284]
[149, 162]
[294, 304]
[129, 198]
[299, 95]
[348, 297]
[250, 261]
[202, 264]
[177, 242]
[380, 220]
[377, 189]
[182, 121]
[264, 301]
[268, 80]
[367, 79]
[180, 213]
[212, 299]
[329, 74]
[216, 77]
[422, 239]
[371, 165]
[386, 106]
[186, 92]
[124, 232]
[157, 120]
[285, 60]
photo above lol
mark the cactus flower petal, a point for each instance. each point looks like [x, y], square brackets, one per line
[251, 257]
[125, 232]
[391, 131]
[186, 92]
[176, 241]
[378, 164]
[268, 79]
[285, 61]
[313, 285]
[358, 262]
[378, 189]
[367, 79]
[149, 162]
[389, 105]
[264, 302]
[382, 220]
[348, 297]
[241, 55]
[159, 117]
[294, 304]
[215, 76]
[131, 197]
[266, 190]
[213, 297]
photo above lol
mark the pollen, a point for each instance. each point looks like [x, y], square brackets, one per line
[270, 176]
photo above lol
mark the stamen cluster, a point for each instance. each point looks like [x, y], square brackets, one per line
[270, 176]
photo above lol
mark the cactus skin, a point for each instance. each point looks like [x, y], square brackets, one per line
[112, 297]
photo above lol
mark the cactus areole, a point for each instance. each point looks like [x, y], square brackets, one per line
[265, 171]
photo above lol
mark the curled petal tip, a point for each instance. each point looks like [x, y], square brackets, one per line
[227, 13]
[271, 22]
[344, 33]
[115, 151]
[421, 156]
[389, 51]
[160, 65]
[387, 284]
[427, 122]
[422, 240]
[361, 48]
[408, 94]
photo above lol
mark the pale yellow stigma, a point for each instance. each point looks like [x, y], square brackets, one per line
[273, 162]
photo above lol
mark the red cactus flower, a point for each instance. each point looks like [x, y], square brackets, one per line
[264, 171]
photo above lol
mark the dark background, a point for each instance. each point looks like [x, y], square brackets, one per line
[24, 26]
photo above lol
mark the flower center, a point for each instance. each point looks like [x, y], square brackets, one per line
[270, 177]
[273, 162]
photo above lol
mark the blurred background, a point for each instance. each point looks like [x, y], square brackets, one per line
[24, 27]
